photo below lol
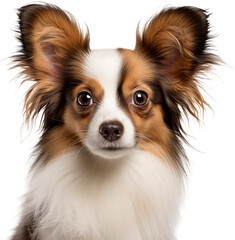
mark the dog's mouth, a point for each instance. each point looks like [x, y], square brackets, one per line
[111, 152]
[113, 149]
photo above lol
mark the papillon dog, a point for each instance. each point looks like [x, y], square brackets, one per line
[110, 163]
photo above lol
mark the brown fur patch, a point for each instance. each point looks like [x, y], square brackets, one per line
[56, 142]
[92, 86]
[72, 132]
[76, 118]
[152, 133]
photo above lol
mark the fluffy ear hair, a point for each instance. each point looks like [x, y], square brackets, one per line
[176, 40]
[49, 37]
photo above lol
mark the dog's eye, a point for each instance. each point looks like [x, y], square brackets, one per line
[84, 99]
[140, 98]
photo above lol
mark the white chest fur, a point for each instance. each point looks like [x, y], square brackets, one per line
[79, 197]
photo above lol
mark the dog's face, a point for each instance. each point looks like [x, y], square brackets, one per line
[112, 101]
[116, 103]
[107, 127]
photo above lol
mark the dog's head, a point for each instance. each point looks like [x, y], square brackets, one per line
[112, 101]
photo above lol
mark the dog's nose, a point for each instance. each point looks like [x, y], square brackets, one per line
[111, 131]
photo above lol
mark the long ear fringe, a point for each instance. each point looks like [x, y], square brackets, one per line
[184, 93]
[41, 96]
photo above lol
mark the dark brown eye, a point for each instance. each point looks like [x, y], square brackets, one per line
[140, 98]
[84, 99]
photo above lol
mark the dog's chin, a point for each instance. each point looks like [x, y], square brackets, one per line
[110, 152]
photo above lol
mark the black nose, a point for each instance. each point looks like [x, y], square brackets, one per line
[111, 131]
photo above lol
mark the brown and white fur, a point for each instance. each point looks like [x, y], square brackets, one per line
[110, 163]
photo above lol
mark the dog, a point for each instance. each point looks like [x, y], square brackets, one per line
[110, 163]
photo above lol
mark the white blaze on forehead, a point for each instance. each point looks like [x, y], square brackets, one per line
[105, 66]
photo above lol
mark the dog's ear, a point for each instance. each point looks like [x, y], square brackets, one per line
[176, 41]
[49, 38]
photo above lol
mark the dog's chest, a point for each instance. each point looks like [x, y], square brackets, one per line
[133, 198]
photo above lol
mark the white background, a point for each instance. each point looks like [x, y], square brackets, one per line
[208, 212]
